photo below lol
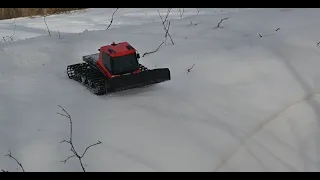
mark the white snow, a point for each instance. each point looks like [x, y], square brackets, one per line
[249, 104]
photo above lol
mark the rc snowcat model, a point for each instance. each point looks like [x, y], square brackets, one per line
[115, 68]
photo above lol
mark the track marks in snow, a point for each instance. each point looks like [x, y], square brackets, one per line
[262, 125]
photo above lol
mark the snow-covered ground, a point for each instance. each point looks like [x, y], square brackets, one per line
[250, 103]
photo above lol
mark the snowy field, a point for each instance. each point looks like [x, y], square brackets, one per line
[250, 103]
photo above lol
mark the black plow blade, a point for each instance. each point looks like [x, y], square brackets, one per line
[141, 79]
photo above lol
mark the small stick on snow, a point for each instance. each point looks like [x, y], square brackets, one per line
[59, 35]
[193, 24]
[44, 19]
[14, 33]
[318, 43]
[218, 26]
[10, 156]
[277, 29]
[198, 10]
[14, 30]
[188, 70]
[152, 51]
[112, 18]
[260, 35]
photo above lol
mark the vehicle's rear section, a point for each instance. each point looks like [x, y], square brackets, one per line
[141, 79]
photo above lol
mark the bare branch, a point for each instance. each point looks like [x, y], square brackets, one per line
[2, 170]
[64, 111]
[193, 24]
[72, 149]
[277, 29]
[167, 34]
[168, 12]
[218, 26]
[160, 17]
[189, 69]
[44, 19]
[152, 51]
[167, 15]
[10, 156]
[65, 161]
[59, 35]
[89, 147]
[181, 13]
[198, 10]
[11, 37]
[112, 18]
[166, 29]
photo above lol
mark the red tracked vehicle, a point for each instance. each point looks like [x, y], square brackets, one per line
[115, 68]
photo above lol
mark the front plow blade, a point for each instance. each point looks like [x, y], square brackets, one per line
[141, 79]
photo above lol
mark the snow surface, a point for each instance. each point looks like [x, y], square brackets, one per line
[249, 104]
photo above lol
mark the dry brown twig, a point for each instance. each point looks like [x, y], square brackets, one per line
[70, 142]
[112, 18]
[10, 156]
[218, 26]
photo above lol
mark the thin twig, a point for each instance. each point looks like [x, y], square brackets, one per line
[318, 43]
[260, 35]
[10, 156]
[166, 29]
[59, 35]
[193, 24]
[181, 13]
[167, 15]
[198, 10]
[112, 18]
[277, 29]
[65, 161]
[189, 69]
[44, 19]
[72, 149]
[168, 12]
[152, 51]
[14, 33]
[89, 147]
[14, 30]
[167, 33]
[218, 26]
